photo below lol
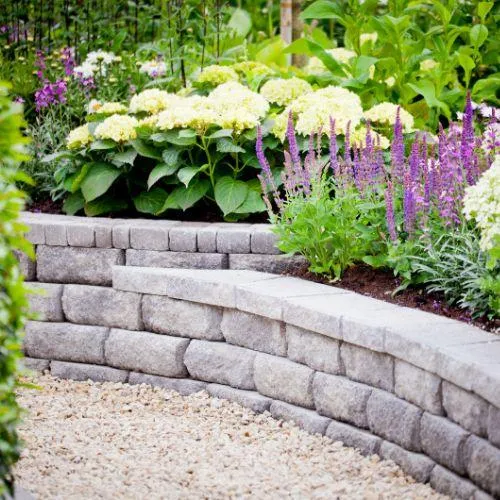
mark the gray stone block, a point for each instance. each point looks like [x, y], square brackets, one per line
[45, 301]
[185, 260]
[183, 238]
[36, 231]
[64, 341]
[146, 352]
[364, 441]
[277, 264]
[448, 483]
[494, 426]
[418, 386]
[263, 240]
[313, 349]
[394, 419]
[121, 236]
[283, 379]
[91, 266]
[78, 371]
[27, 266]
[307, 420]
[35, 364]
[367, 366]
[149, 238]
[96, 305]
[207, 239]
[80, 235]
[482, 461]
[254, 332]
[183, 386]
[220, 363]
[103, 236]
[55, 234]
[481, 495]
[233, 238]
[181, 318]
[416, 465]
[249, 399]
[466, 409]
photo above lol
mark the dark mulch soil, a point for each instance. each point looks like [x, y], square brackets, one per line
[45, 206]
[381, 284]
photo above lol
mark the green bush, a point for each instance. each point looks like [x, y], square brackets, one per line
[13, 303]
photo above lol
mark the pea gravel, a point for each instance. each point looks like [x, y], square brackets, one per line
[87, 440]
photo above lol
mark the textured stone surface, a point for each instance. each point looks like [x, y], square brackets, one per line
[447, 482]
[149, 238]
[36, 364]
[184, 386]
[233, 238]
[81, 235]
[308, 420]
[254, 332]
[263, 240]
[364, 441]
[282, 379]
[121, 236]
[45, 301]
[418, 386]
[249, 399]
[341, 399]
[220, 363]
[55, 234]
[483, 464]
[146, 352]
[183, 238]
[79, 371]
[65, 341]
[277, 264]
[313, 349]
[416, 464]
[151, 258]
[96, 305]
[394, 419]
[207, 238]
[91, 266]
[494, 426]
[182, 318]
[367, 366]
[466, 409]
[26, 265]
[36, 231]
[103, 235]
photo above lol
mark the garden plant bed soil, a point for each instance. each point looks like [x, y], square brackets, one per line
[380, 284]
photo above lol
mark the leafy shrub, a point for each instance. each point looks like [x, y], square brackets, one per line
[13, 304]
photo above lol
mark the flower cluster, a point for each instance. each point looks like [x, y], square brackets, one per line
[152, 101]
[482, 203]
[215, 75]
[154, 68]
[315, 66]
[252, 68]
[385, 114]
[95, 62]
[106, 108]
[282, 91]
[79, 137]
[118, 128]
[50, 93]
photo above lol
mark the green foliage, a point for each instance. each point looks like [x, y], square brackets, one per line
[13, 304]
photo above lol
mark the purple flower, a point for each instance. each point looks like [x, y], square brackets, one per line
[19, 100]
[389, 212]
[68, 59]
[398, 149]
[292, 145]
[40, 64]
[467, 141]
[266, 177]
[50, 94]
[334, 162]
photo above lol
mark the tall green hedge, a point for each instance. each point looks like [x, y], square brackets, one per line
[13, 303]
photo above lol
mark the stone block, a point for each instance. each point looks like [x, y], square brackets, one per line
[313, 349]
[183, 238]
[55, 234]
[416, 465]
[35, 364]
[307, 420]
[249, 399]
[91, 266]
[394, 419]
[103, 236]
[369, 367]
[80, 235]
[254, 332]
[482, 461]
[466, 409]
[277, 264]
[184, 260]
[233, 238]
[64, 341]
[221, 363]
[448, 483]
[36, 231]
[149, 238]
[146, 352]
[45, 301]
[418, 386]
[207, 239]
[96, 305]
[181, 318]
[364, 441]
[26, 265]
[263, 240]
[494, 426]
[280, 378]
[341, 399]
[121, 236]
[79, 371]
[183, 386]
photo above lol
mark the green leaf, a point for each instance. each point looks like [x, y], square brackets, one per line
[169, 204]
[184, 197]
[149, 202]
[230, 194]
[161, 170]
[483, 8]
[171, 156]
[240, 23]
[478, 35]
[223, 132]
[146, 150]
[73, 203]
[77, 179]
[187, 133]
[104, 205]
[56, 156]
[467, 64]
[253, 203]
[100, 145]
[125, 157]
[427, 90]
[173, 137]
[187, 173]
[322, 9]
[98, 180]
[272, 52]
[224, 145]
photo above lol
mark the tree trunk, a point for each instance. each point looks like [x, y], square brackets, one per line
[298, 60]
[286, 21]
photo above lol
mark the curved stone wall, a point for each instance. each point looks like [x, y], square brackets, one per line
[413, 387]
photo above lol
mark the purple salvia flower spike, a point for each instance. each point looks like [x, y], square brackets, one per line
[467, 140]
[334, 161]
[389, 212]
[398, 149]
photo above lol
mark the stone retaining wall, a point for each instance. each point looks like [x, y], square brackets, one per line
[413, 387]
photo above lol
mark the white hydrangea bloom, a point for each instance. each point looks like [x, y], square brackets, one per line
[119, 128]
[106, 108]
[358, 137]
[283, 91]
[315, 66]
[385, 113]
[215, 75]
[79, 137]
[152, 101]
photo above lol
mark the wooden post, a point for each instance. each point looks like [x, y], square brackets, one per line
[286, 23]
[298, 60]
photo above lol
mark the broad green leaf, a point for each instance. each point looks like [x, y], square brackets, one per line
[187, 173]
[223, 132]
[159, 137]
[322, 9]
[426, 89]
[187, 197]
[187, 133]
[173, 137]
[467, 64]
[240, 22]
[146, 150]
[104, 205]
[149, 202]
[73, 203]
[125, 157]
[486, 88]
[78, 178]
[230, 194]
[225, 145]
[161, 170]
[272, 53]
[478, 35]
[171, 156]
[483, 8]
[100, 145]
[56, 156]
[98, 180]
[169, 204]
[253, 203]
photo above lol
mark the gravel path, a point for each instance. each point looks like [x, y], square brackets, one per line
[86, 440]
